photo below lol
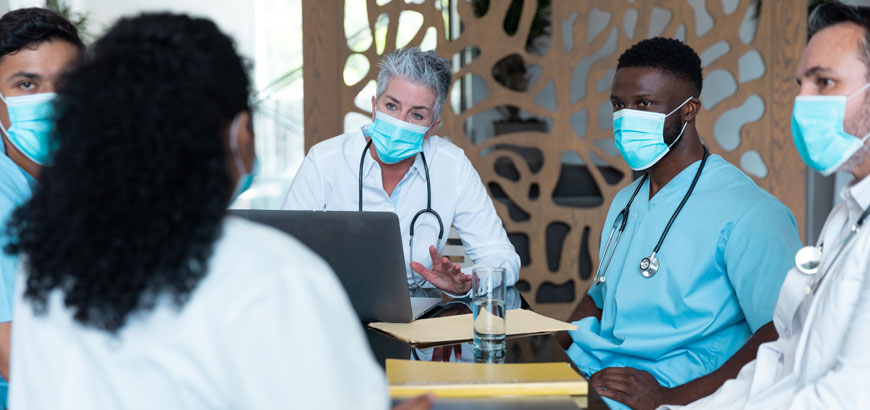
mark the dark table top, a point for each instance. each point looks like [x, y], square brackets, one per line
[521, 349]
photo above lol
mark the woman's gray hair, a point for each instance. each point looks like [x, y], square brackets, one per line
[422, 67]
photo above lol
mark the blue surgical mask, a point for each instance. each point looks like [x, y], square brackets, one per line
[640, 136]
[817, 129]
[31, 120]
[246, 179]
[395, 139]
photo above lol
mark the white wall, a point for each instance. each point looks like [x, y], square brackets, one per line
[235, 18]
[273, 24]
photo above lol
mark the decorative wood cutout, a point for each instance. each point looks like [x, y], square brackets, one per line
[523, 169]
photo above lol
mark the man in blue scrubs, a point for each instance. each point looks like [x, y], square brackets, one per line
[648, 337]
[36, 46]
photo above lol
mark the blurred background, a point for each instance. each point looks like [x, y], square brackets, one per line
[529, 103]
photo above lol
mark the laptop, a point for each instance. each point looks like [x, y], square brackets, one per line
[365, 251]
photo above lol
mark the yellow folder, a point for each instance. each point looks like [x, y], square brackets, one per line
[410, 378]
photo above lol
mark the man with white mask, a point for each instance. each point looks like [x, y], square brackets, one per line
[36, 47]
[398, 165]
[688, 276]
[820, 360]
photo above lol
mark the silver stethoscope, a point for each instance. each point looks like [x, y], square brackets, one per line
[650, 264]
[809, 258]
[427, 210]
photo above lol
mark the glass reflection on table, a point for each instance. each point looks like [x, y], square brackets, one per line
[541, 348]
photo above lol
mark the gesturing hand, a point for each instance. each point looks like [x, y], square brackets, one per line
[444, 274]
[634, 388]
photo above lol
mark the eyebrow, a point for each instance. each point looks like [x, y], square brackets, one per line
[25, 74]
[644, 96]
[417, 107]
[816, 70]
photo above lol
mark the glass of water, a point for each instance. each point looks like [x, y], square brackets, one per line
[487, 297]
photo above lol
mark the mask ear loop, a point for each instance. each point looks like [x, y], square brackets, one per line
[684, 123]
[856, 92]
[3, 127]
[687, 100]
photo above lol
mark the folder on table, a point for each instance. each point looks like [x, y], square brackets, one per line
[458, 328]
[410, 378]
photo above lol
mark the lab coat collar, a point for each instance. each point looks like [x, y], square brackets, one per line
[359, 142]
[860, 193]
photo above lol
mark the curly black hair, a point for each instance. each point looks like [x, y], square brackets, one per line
[131, 208]
[669, 55]
[32, 26]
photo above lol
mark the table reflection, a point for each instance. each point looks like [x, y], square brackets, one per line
[464, 352]
[518, 349]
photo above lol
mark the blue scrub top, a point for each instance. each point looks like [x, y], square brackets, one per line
[721, 267]
[15, 189]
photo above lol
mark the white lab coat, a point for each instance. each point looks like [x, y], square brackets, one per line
[821, 359]
[269, 327]
[328, 180]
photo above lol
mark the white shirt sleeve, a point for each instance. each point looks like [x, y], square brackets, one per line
[731, 395]
[480, 228]
[294, 341]
[306, 191]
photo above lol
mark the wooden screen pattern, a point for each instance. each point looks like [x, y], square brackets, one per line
[525, 199]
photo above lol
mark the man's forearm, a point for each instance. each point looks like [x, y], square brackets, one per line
[706, 385]
[585, 308]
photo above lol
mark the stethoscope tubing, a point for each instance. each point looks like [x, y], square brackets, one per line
[428, 208]
[623, 214]
[817, 281]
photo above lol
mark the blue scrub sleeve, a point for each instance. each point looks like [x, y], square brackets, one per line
[8, 263]
[759, 250]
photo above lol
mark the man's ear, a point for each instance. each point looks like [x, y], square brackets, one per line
[691, 109]
[374, 110]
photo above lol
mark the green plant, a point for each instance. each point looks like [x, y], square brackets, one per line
[79, 20]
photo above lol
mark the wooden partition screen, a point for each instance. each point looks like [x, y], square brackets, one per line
[553, 178]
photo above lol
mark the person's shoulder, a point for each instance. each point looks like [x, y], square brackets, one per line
[13, 185]
[737, 191]
[731, 180]
[446, 150]
[331, 147]
[264, 251]
[257, 267]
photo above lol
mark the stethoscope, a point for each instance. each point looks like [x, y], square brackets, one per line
[427, 210]
[809, 258]
[650, 264]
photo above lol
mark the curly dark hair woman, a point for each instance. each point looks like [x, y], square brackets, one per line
[134, 201]
[138, 291]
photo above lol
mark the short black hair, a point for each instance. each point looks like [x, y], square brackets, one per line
[669, 55]
[833, 13]
[32, 26]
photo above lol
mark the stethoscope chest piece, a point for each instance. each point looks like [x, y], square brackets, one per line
[649, 266]
[808, 259]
